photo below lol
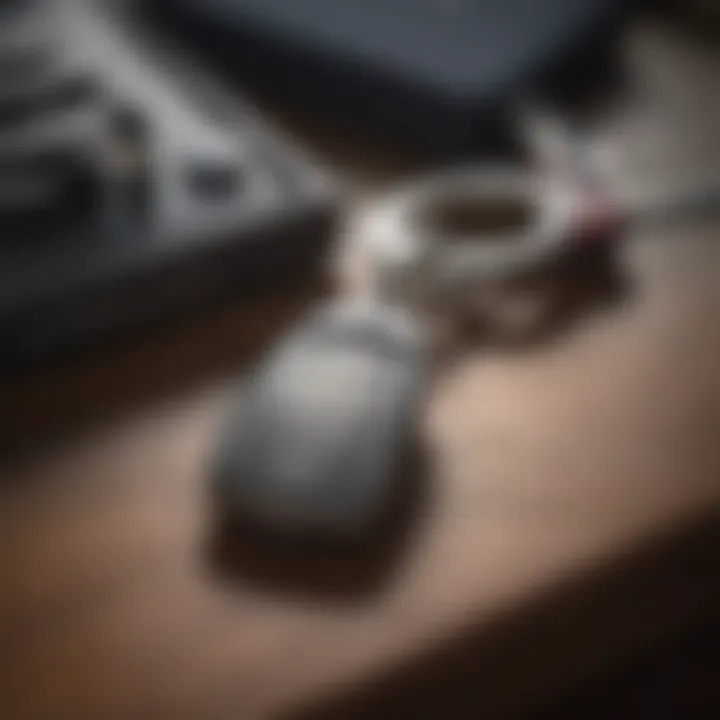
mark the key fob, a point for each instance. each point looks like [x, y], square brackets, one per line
[313, 444]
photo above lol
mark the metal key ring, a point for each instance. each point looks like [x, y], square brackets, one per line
[421, 253]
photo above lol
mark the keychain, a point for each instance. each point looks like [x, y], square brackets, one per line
[312, 446]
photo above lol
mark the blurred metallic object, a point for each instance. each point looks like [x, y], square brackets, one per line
[49, 124]
[679, 202]
[323, 423]
[482, 239]
[446, 234]
[133, 188]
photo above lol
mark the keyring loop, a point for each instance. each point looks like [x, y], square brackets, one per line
[420, 257]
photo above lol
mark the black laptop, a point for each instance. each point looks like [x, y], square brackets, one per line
[440, 75]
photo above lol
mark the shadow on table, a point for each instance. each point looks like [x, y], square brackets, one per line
[586, 646]
[320, 569]
[572, 290]
[46, 404]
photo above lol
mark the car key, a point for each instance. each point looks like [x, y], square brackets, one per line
[312, 446]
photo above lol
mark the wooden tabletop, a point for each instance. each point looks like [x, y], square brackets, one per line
[562, 511]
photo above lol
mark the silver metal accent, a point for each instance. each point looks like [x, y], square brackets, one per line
[417, 263]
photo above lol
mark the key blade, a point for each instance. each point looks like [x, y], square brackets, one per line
[683, 203]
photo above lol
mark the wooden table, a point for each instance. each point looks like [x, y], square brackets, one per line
[565, 511]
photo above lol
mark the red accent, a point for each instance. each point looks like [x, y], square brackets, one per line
[598, 220]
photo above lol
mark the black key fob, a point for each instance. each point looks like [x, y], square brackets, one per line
[313, 443]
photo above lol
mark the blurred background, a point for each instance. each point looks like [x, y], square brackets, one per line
[180, 181]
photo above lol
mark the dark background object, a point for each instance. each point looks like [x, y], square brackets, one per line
[150, 193]
[442, 76]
